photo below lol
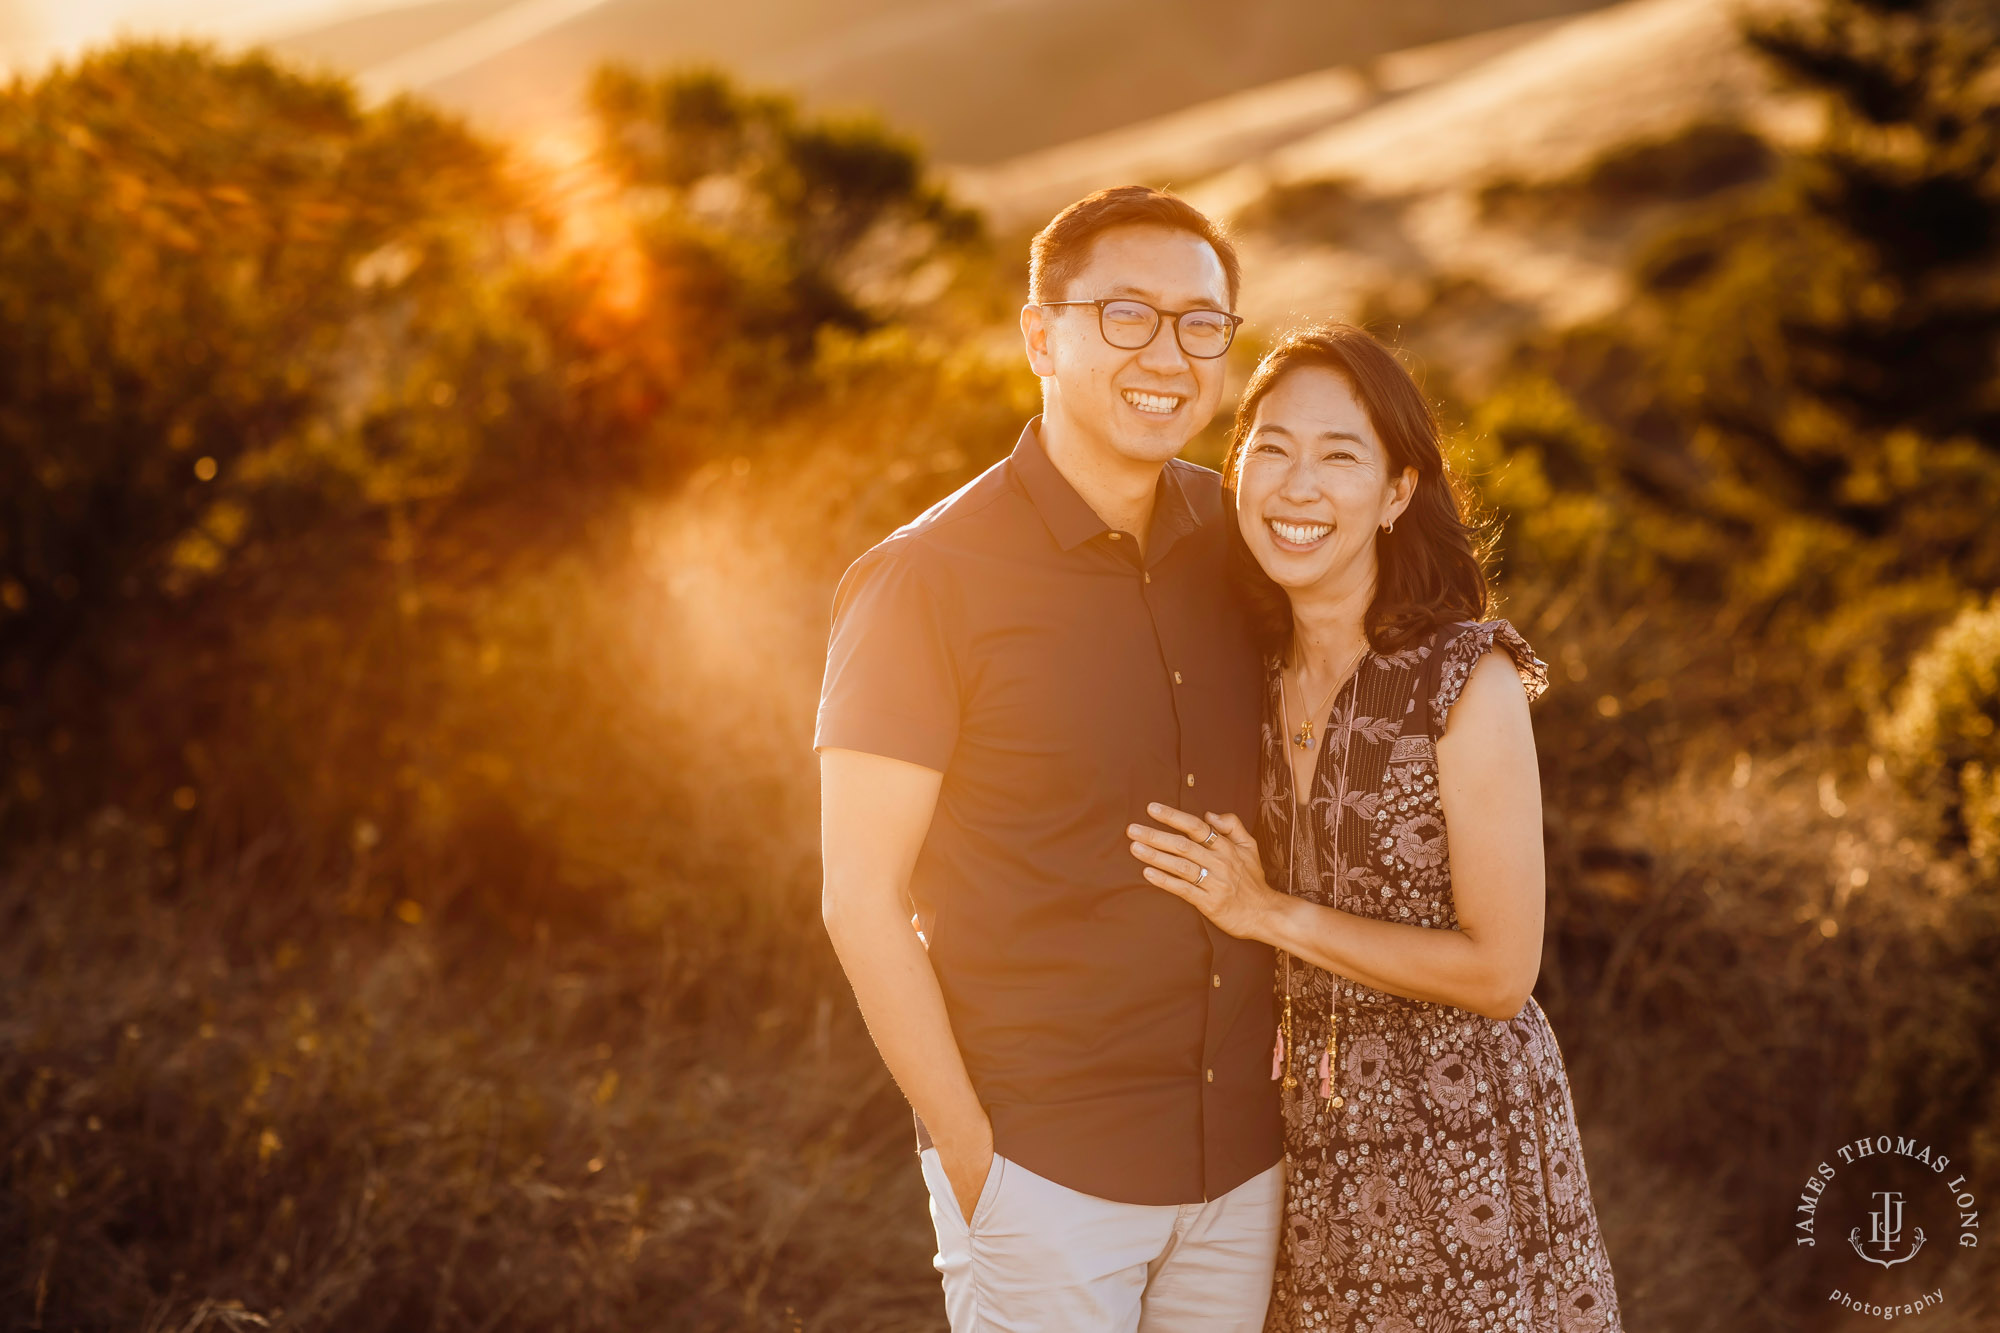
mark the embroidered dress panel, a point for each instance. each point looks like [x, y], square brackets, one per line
[1445, 1191]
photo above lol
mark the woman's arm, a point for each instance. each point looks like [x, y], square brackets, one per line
[1490, 788]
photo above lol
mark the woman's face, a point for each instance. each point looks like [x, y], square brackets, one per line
[1314, 483]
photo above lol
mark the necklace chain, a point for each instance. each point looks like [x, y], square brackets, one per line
[1303, 737]
[1329, 1059]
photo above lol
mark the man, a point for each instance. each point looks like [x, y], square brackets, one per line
[1011, 678]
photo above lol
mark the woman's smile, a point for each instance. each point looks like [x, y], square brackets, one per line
[1298, 534]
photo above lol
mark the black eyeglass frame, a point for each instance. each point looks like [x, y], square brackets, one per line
[1159, 317]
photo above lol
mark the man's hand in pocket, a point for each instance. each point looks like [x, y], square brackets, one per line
[967, 1168]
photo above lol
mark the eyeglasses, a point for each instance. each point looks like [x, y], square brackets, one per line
[1130, 325]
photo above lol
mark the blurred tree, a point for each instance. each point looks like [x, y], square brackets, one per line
[236, 311]
[827, 223]
[1910, 173]
[282, 379]
[1887, 345]
[1801, 412]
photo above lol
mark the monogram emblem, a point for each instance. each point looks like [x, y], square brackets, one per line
[1885, 1230]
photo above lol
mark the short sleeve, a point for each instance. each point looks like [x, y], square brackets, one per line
[892, 680]
[1463, 651]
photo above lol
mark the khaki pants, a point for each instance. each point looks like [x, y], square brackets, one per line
[1039, 1257]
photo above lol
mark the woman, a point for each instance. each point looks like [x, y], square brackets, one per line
[1435, 1177]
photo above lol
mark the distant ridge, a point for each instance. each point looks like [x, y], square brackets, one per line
[1186, 146]
[978, 81]
[1543, 108]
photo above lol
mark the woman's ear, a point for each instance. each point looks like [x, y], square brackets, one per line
[1401, 493]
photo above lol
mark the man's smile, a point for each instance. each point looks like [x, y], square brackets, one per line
[1154, 404]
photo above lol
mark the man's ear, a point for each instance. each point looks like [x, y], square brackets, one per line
[1035, 335]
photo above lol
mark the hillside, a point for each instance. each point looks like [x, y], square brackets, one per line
[976, 80]
[1197, 142]
[1478, 187]
[1517, 188]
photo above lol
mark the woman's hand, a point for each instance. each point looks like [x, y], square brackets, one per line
[1232, 893]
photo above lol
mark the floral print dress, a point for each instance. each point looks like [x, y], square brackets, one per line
[1446, 1193]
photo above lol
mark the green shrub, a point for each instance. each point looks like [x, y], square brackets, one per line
[1944, 732]
[291, 388]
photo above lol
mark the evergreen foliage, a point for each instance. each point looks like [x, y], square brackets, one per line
[1795, 423]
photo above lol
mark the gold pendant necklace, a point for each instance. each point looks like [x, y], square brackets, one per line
[1303, 737]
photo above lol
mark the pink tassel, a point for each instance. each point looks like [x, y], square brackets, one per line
[1325, 1075]
[1278, 1056]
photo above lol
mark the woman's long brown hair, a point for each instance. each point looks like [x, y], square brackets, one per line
[1432, 569]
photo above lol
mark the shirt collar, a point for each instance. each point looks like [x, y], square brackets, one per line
[1071, 520]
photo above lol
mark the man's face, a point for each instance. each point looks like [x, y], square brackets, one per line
[1144, 404]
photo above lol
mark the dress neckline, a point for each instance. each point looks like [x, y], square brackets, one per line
[1319, 757]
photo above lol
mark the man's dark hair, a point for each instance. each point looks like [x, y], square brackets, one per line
[1061, 249]
[1432, 570]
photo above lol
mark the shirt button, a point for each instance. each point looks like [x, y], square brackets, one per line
[1217, 980]
[1211, 1076]
[1149, 576]
[1177, 677]
[1190, 779]
[1116, 535]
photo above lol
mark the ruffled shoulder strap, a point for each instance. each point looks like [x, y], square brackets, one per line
[1463, 645]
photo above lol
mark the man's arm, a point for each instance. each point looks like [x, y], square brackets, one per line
[874, 815]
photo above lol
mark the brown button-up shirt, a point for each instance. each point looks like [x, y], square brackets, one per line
[1061, 678]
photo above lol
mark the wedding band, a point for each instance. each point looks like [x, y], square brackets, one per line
[1202, 876]
[1210, 838]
